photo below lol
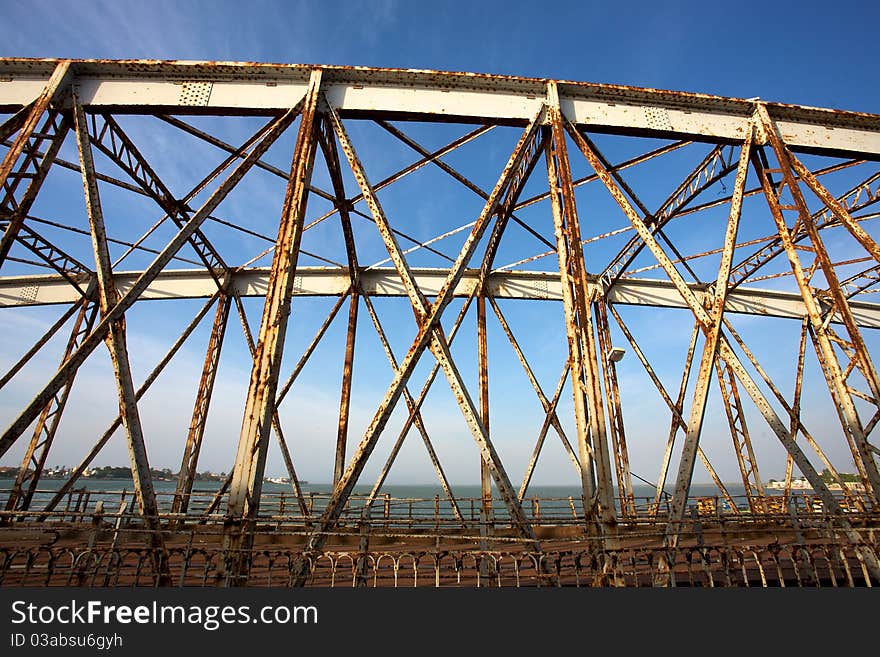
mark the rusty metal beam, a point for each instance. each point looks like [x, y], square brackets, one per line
[116, 343]
[704, 319]
[615, 412]
[265, 238]
[664, 574]
[257, 141]
[64, 164]
[108, 137]
[344, 206]
[708, 324]
[244, 492]
[860, 196]
[711, 169]
[402, 173]
[308, 352]
[598, 494]
[258, 89]
[345, 393]
[458, 176]
[712, 332]
[204, 391]
[862, 282]
[796, 404]
[74, 273]
[14, 123]
[487, 517]
[838, 209]
[633, 161]
[14, 211]
[792, 410]
[41, 289]
[276, 418]
[74, 308]
[556, 114]
[788, 441]
[331, 157]
[229, 148]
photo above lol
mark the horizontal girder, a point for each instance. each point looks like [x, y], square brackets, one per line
[46, 289]
[247, 88]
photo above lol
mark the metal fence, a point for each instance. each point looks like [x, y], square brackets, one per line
[809, 565]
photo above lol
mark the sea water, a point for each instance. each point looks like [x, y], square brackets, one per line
[420, 500]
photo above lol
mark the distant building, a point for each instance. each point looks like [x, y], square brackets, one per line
[798, 483]
[801, 483]
[854, 486]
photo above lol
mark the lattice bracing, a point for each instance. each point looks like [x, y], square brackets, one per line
[480, 260]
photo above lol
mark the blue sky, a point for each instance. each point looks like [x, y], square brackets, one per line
[802, 53]
[799, 52]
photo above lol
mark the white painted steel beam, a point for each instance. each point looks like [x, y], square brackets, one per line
[47, 289]
[241, 88]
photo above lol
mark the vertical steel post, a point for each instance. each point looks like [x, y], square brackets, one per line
[838, 208]
[116, 343]
[345, 394]
[589, 412]
[612, 399]
[328, 146]
[796, 403]
[486, 516]
[331, 157]
[276, 420]
[250, 461]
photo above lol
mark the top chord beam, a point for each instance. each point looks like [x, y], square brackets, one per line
[152, 87]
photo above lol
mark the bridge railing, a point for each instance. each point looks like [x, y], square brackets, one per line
[394, 512]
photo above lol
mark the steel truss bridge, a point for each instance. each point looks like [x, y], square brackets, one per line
[786, 192]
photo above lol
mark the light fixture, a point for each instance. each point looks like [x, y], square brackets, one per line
[615, 354]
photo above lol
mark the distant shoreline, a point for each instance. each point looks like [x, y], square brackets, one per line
[11, 476]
